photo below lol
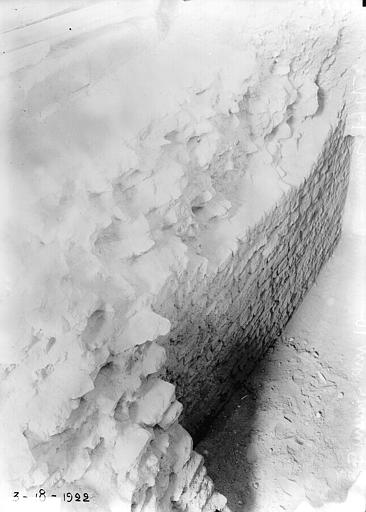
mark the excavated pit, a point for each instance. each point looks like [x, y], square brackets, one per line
[174, 179]
[242, 309]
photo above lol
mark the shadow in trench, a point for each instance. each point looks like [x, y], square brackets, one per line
[293, 431]
[228, 444]
[286, 434]
[289, 433]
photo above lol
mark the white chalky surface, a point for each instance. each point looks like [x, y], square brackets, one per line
[113, 113]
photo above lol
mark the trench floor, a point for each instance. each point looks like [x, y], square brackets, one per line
[294, 436]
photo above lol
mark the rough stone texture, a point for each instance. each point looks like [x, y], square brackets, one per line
[144, 141]
[222, 326]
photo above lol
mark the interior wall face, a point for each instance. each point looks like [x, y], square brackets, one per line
[222, 325]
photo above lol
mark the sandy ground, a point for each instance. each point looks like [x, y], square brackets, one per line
[295, 435]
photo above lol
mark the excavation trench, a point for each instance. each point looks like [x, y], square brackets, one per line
[177, 175]
[222, 326]
[294, 432]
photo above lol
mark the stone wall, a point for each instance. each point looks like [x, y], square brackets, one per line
[222, 326]
[144, 144]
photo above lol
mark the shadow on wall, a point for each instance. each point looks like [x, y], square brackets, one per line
[290, 432]
[257, 447]
[240, 311]
[229, 445]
